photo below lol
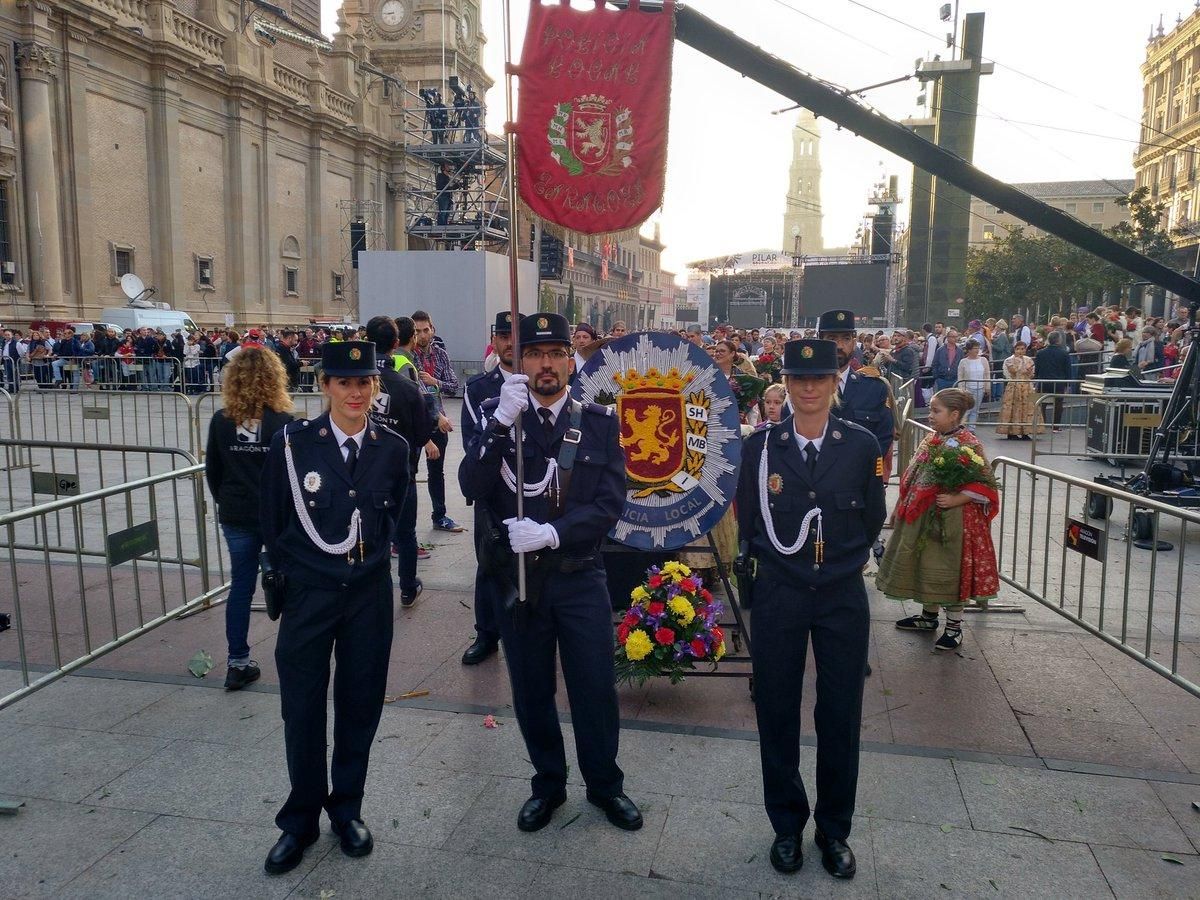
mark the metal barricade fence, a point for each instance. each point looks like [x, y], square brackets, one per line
[124, 418]
[88, 574]
[32, 471]
[1070, 544]
[113, 373]
[911, 435]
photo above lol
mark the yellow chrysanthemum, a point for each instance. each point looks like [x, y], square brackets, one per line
[939, 462]
[673, 567]
[683, 610]
[638, 646]
[639, 594]
[720, 650]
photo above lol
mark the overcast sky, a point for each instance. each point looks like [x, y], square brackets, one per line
[1062, 66]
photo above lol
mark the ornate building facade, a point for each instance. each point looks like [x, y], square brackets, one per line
[216, 148]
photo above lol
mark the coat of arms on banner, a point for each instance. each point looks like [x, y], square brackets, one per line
[587, 135]
[679, 432]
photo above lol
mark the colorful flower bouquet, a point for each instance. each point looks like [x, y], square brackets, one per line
[953, 465]
[671, 625]
[768, 366]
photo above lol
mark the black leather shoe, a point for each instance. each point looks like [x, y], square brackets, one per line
[479, 651]
[356, 837]
[237, 677]
[786, 855]
[836, 857]
[619, 810]
[287, 853]
[536, 812]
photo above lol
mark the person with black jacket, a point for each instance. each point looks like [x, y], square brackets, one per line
[1052, 371]
[286, 348]
[256, 404]
[401, 406]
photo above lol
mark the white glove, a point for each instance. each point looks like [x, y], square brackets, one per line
[526, 535]
[514, 397]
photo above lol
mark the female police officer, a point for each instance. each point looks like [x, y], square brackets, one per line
[810, 504]
[332, 492]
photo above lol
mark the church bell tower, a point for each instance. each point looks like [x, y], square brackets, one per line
[802, 215]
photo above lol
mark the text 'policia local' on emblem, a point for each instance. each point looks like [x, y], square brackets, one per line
[679, 432]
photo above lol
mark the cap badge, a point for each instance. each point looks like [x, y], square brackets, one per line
[508, 317]
[355, 354]
[806, 352]
[543, 322]
[841, 317]
[312, 482]
[775, 483]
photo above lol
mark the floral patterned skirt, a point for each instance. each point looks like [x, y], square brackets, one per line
[947, 562]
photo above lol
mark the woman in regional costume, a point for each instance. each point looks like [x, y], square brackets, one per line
[941, 553]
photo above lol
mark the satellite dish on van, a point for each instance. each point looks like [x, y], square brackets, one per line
[132, 286]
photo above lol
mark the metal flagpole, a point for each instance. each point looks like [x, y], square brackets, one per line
[510, 140]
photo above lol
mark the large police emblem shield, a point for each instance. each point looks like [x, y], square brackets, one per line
[679, 432]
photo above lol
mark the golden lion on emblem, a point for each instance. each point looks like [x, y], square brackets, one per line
[648, 437]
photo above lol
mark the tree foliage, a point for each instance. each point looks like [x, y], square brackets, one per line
[1021, 272]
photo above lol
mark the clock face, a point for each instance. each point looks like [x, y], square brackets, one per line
[392, 13]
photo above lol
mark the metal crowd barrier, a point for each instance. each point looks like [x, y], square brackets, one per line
[1094, 555]
[109, 373]
[87, 574]
[125, 418]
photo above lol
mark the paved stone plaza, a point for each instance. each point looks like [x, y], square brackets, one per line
[1037, 761]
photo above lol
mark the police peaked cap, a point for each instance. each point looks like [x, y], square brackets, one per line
[545, 328]
[348, 359]
[809, 356]
[835, 320]
[504, 322]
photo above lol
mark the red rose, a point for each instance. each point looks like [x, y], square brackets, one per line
[964, 459]
[698, 647]
[934, 441]
[706, 594]
[630, 620]
[622, 633]
[657, 608]
[655, 581]
[717, 634]
[665, 636]
[688, 584]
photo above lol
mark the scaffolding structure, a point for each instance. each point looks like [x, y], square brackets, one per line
[457, 174]
[361, 229]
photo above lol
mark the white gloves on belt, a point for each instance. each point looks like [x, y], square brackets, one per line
[514, 397]
[526, 535]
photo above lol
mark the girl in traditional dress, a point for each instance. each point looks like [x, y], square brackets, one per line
[941, 553]
[1020, 414]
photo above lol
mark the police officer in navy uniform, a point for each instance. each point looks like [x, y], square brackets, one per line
[809, 505]
[481, 388]
[333, 488]
[574, 488]
[863, 400]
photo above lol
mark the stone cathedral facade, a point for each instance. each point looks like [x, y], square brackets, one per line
[206, 145]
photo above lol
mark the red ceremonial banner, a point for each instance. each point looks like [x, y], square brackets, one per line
[592, 125]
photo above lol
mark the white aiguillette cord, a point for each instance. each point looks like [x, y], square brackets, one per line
[306, 522]
[769, 522]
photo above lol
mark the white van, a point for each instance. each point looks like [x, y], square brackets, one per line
[135, 317]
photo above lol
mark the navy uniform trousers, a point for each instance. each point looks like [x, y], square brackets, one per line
[355, 625]
[574, 617]
[482, 387]
[836, 618]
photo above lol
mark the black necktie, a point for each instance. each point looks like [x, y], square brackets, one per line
[547, 420]
[810, 455]
[351, 446]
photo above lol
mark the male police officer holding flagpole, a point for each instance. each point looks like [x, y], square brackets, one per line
[480, 388]
[573, 485]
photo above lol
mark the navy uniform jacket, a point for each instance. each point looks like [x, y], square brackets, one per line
[846, 486]
[866, 401]
[596, 494]
[378, 489]
[480, 388]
